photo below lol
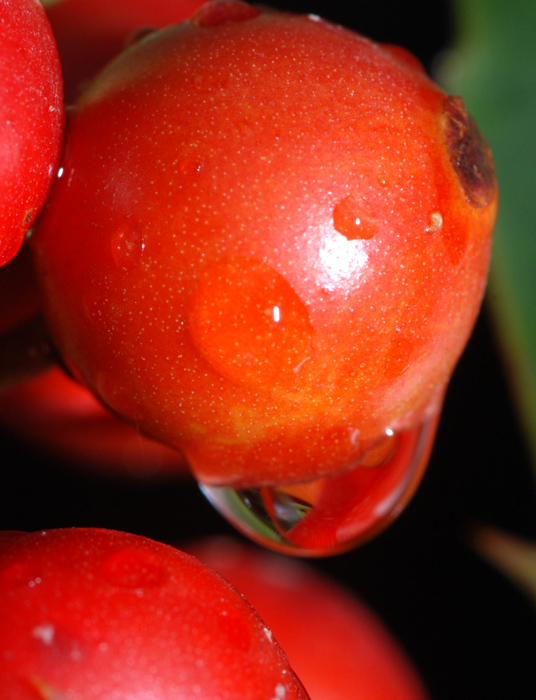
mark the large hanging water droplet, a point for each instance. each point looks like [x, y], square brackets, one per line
[335, 514]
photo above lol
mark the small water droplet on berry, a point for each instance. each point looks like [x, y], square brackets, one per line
[214, 14]
[335, 514]
[399, 357]
[249, 323]
[348, 220]
[134, 568]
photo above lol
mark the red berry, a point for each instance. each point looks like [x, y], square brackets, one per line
[31, 118]
[335, 643]
[100, 615]
[269, 243]
[89, 33]
[56, 415]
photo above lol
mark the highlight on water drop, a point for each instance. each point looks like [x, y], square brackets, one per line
[331, 515]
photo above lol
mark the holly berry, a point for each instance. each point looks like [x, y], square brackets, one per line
[89, 33]
[31, 118]
[100, 615]
[56, 415]
[268, 245]
[335, 643]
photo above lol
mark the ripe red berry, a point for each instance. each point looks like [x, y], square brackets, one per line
[102, 615]
[268, 247]
[57, 416]
[89, 33]
[338, 647]
[31, 118]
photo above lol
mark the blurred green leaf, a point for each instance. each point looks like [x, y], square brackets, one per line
[493, 66]
[514, 557]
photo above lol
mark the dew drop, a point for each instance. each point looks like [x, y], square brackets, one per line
[335, 514]
[399, 357]
[134, 568]
[249, 323]
[348, 220]
[213, 14]
[127, 245]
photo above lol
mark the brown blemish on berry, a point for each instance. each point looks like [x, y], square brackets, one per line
[469, 153]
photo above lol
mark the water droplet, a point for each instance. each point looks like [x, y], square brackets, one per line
[214, 14]
[127, 245]
[348, 220]
[249, 323]
[335, 514]
[399, 357]
[134, 568]
[436, 222]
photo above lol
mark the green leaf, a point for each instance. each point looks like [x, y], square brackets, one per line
[493, 66]
[514, 557]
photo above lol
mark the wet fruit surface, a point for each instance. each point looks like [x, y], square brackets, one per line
[99, 614]
[341, 651]
[268, 257]
[89, 33]
[334, 514]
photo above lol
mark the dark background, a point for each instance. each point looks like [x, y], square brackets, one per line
[469, 631]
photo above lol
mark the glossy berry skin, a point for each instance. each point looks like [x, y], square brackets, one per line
[102, 615]
[31, 118]
[57, 416]
[338, 647]
[269, 243]
[89, 33]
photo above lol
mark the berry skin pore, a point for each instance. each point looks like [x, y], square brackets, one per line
[268, 248]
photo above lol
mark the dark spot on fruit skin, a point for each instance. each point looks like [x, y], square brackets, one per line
[469, 154]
